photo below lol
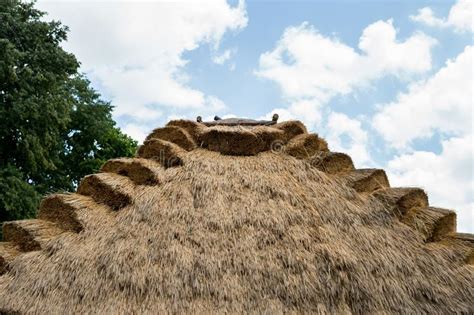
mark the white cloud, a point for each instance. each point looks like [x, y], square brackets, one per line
[283, 115]
[307, 64]
[426, 16]
[135, 50]
[311, 68]
[137, 132]
[460, 17]
[340, 126]
[225, 56]
[147, 114]
[305, 110]
[443, 102]
[447, 177]
[214, 104]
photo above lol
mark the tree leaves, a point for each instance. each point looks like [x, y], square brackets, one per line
[54, 128]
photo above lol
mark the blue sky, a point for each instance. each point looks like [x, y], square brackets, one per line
[389, 82]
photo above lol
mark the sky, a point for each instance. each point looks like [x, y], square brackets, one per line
[388, 82]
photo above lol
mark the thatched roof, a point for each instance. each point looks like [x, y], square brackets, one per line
[237, 219]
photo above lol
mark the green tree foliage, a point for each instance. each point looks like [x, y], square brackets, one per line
[54, 128]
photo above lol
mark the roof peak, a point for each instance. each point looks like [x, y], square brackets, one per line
[238, 121]
[291, 227]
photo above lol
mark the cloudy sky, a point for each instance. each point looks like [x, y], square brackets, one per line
[389, 82]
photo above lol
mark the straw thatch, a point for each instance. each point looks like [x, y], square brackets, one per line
[140, 171]
[250, 219]
[306, 146]
[174, 134]
[332, 162]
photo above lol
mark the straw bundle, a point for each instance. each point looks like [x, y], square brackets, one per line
[140, 171]
[238, 140]
[332, 162]
[306, 146]
[107, 188]
[366, 180]
[162, 151]
[191, 127]
[220, 232]
[291, 128]
[174, 134]
[30, 234]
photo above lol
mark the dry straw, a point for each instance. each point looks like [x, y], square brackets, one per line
[236, 227]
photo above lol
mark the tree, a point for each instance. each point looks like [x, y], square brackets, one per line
[54, 128]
